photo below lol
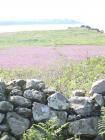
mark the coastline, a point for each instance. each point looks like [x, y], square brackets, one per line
[36, 27]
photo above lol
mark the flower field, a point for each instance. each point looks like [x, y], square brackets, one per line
[43, 57]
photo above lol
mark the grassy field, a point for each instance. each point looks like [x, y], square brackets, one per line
[69, 36]
[66, 77]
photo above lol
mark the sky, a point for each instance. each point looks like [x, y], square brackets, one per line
[91, 12]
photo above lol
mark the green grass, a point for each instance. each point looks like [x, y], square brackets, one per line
[64, 78]
[69, 36]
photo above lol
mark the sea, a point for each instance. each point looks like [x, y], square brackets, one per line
[35, 27]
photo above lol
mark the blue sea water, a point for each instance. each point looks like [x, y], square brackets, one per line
[16, 28]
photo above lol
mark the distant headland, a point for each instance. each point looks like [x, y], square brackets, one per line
[39, 21]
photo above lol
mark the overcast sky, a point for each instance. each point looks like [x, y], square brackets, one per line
[87, 11]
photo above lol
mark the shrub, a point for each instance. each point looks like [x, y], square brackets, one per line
[45, 131]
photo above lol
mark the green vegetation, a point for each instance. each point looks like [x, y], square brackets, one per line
[69, 36]
[64, 78]
[47, 131]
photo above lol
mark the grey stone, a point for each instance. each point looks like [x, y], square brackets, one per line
[99, 99]
[35, 84]
[104, 99]
[40, 112]
[6, 106]
[79, 93]
[24, 111]
[20, 101]
[17, 123]
[12, 138]
[82, 105]
[2, 97]
[98, 87]
[72, 117]
[59, 117]
[99, 138]
[4, 127]
[16, 92]
[2, 87]
[35, 95]
[19, 83]
[4, 134]
[49, 91]
[9, 88]
[85, 127]
[5, 137]
[58, 101]
[1, 117]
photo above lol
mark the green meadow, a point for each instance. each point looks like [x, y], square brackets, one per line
[70, 36]
[65, 78]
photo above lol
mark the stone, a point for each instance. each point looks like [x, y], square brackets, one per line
[99, 138]
[72, 117]
[19, 84]
[4, 134]
[59, 117]
[99, 99]
[49, 91]
[82, 105]
[78, 92]
[17, 123]
[12, 138]
[1, 117]
[104, 99]
[2, 87]
[25, 112]
[20, 101]
[35, 95]
[4, 127]
[40, 112]
[6, 106]
[2, 97]
[35, 84]
[98, 87]
[5, 137]
[57, 101]
[9, 88]
[16, 92]
[85, 127]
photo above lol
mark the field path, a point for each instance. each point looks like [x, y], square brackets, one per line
[46, 56]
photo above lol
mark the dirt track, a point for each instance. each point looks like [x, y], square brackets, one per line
[46, 56]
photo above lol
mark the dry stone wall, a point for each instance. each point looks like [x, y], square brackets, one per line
[25, 102]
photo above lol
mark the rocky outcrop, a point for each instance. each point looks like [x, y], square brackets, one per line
[24, 102]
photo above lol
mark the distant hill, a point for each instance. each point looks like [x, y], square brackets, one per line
[39, 21]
